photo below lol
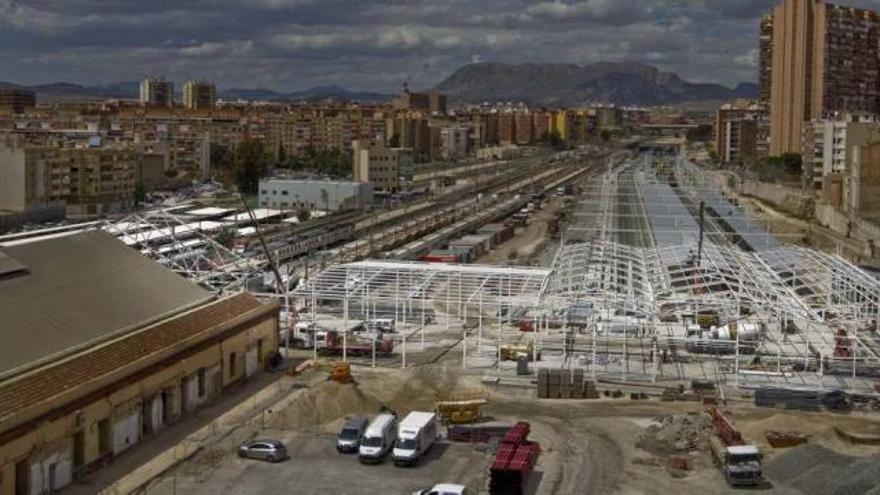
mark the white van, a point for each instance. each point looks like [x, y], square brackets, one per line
[379, 439]
[416, 434]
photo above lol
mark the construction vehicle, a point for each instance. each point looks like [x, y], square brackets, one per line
[740, 463]
[333, 345]
[462, 407]
[512, 352]
[341, 373]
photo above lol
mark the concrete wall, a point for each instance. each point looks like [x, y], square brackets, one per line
[55, 438]
[789, 199]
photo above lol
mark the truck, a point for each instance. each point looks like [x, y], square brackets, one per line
[415, 435]
[331, 344]
[740, 463]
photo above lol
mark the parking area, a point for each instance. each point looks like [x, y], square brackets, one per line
[314, 467]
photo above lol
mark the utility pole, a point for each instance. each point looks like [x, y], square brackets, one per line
[700, 243]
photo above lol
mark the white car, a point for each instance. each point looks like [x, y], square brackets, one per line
[444, 489]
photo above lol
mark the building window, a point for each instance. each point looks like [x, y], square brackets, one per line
[231, 364]
[284, 193]
[264, 191]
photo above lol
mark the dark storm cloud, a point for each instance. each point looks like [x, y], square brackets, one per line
[364, 44]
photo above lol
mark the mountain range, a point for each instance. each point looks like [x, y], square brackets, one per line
[572, 85]
[131, 90]
[551, 85]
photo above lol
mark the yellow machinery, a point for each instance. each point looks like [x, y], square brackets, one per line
[462, 406]
[510, 352]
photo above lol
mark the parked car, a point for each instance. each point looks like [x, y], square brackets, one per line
[263, 450]
[349, 438]
[444, 489]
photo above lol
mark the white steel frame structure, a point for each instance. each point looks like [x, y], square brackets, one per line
[622, 295]
[183, 247]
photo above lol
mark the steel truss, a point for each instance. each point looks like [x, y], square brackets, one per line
[185, 248]
[620, 303]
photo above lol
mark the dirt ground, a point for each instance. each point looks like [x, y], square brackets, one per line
[615, 446]
[803, 233]
[528, 240]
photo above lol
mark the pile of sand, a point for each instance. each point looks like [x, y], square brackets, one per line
[819, 430]
[417, 389]
[320, 408]
[323, 407]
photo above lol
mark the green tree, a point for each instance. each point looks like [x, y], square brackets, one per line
[225, 238]
[251, 163]
[139, 194]
[605, 135]
[222, 156]
[303, 215]
[394, 142]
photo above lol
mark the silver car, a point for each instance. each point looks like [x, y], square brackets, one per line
[264, 450]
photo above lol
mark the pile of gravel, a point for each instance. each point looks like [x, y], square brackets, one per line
[815, 470]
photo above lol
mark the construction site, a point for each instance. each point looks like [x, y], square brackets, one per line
[609, 324]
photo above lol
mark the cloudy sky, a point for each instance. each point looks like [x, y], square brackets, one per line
[366, 44]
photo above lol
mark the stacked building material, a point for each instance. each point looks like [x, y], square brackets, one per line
[514, 462]
[565, 384]
[804, 400]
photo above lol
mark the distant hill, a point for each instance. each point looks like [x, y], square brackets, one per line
[571, 85]
[131, 90]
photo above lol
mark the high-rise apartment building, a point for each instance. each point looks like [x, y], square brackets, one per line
[765, 53]
[157, 93]
[199, 95]
[17, 100]
[825, 59]
[736, 133]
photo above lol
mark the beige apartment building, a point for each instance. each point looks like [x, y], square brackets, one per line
[386, 168]
[825, 59]
[87, 180]
[830, 145]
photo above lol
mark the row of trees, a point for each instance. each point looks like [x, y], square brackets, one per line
[250, 160]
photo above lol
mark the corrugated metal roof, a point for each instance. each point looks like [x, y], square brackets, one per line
[80, 289]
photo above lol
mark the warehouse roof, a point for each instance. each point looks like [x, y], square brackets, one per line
[128, 353]
[64, 293]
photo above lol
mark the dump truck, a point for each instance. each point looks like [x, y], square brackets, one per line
[740, 463]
